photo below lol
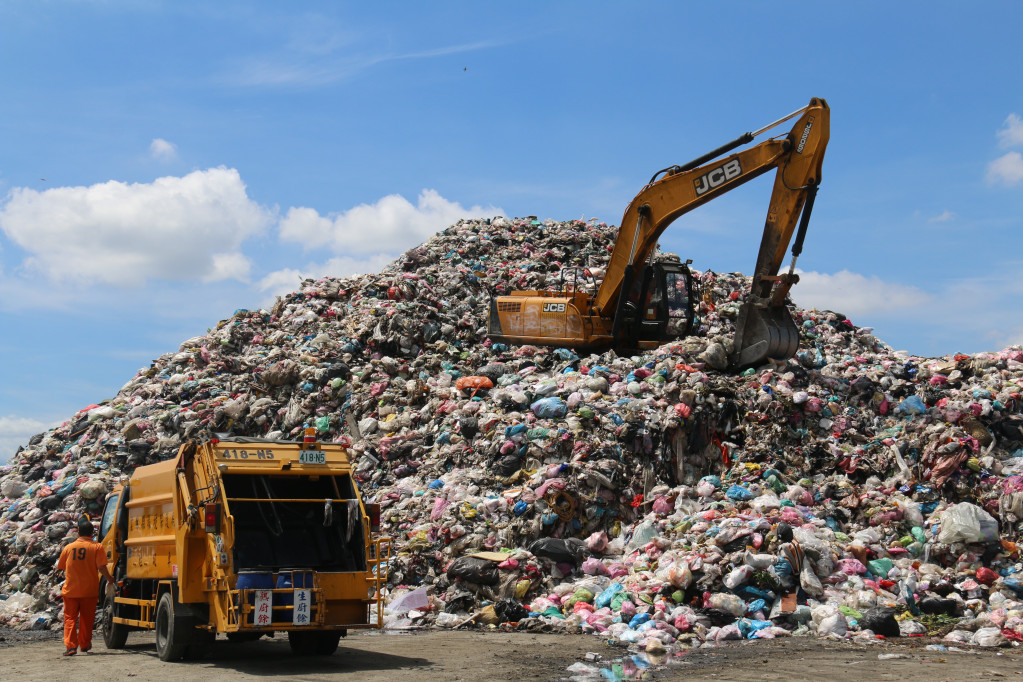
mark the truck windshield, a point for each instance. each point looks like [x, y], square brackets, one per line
[289, 521]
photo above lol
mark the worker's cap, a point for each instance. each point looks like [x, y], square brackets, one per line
[85, 526]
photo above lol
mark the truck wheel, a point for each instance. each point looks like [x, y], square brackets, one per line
[302, 643]
[201, 644]
[326, 642]
[306, 643]
[114, 634]
[172, 634]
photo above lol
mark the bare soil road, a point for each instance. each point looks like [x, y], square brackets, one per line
[475, 655]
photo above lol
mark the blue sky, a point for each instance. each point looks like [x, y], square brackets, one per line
[165, 163]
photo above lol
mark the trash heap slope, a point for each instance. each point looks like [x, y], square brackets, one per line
[649, 498]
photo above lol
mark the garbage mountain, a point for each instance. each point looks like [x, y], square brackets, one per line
[654, 499]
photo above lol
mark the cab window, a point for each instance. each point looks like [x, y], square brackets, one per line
[109, 514]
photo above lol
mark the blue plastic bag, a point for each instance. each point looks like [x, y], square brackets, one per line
[638, 620]
[748, 627]
[1014, 585]
[515, 430]
[912, 405]
[549, 408]
[604, 598]
[738, 493]
[783, 568]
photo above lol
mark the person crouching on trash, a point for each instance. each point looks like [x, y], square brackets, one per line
[80, 561]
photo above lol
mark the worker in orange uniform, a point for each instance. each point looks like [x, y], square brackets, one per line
[80, 561]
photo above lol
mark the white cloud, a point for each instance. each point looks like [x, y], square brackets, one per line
[1007, 169]
[16, 431]
[175, 228]
[287, 280]
[228, 266]
[944, 217]
[162, 150]
[392, 221]
[851, 294]
[1011, 133]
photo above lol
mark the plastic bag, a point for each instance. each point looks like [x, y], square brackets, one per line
[965, 522]
[851, 567]
[570, 550]
[474, 570]
[678, 574]
[881, 621]
[728, 602]
[832, 626]
[644, 533]
[738, 576]
[810, 583]
[759, 562]
[473, 383]
[765, 503]
[912, 405]
[597, 542]
[880, 567]
[448, 620]
[748, 627]
[988, 637]
[604, 598]
[549, 408]
[738, 493]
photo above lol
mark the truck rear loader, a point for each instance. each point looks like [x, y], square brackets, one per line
[245, 537]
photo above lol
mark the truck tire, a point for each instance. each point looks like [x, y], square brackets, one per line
[307, 643]
[114, 634]
[326, 642]
[173, 635]
[201, 644]
[302, 642]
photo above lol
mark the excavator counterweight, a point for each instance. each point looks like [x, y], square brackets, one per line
[641, 303]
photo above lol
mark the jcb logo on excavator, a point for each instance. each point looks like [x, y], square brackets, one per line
[554, 307]
[806, 134]
[716, 177]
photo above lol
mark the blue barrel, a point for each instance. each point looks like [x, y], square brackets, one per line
[255, 580]
[292, 579]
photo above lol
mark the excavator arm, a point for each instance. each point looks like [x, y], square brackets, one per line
[797, 158]
[764, 328]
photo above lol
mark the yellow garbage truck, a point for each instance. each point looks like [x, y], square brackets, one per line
[245, 537]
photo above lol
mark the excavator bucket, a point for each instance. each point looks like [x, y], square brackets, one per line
[763, 333]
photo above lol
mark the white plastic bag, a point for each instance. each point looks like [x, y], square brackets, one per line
[738, 576]
[832, 626]
[965, 522]
[988, 637]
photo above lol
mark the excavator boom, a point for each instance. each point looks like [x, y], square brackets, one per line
[621, 312]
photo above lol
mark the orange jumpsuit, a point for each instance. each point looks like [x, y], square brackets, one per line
[81, 561]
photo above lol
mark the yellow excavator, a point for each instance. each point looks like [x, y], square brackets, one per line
[641, 303]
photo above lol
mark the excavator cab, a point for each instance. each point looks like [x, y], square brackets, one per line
[659, 306]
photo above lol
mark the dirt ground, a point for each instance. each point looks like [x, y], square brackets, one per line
[476, 655]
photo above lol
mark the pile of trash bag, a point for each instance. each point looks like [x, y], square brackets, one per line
[657, 500]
